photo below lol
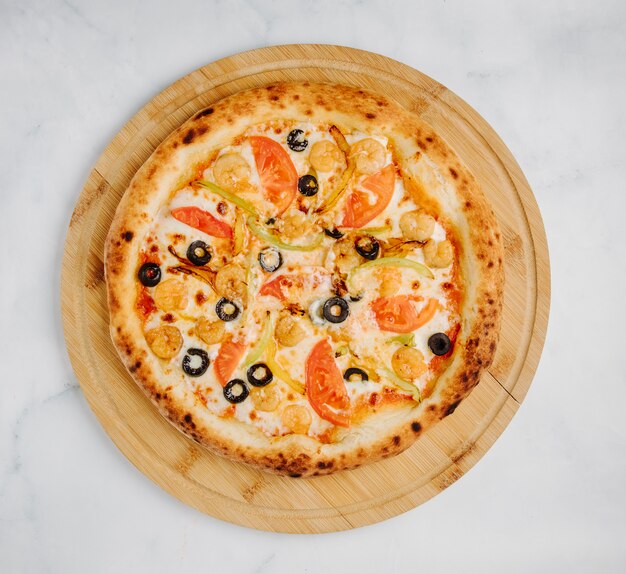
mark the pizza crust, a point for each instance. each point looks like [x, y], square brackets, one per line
[425, 159]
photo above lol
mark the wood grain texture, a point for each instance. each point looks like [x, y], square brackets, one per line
[232, 491]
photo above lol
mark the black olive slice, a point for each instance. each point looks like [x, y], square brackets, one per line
[199, 253]
[236, 391]
[200, 369]
[336, 310]
[355, 372]
[270, 259]
[149, 274]
[367, 246]
[334, 233]
[307, 185]
[294, 142]
[439, 344]
[227, 310]
[259, 375]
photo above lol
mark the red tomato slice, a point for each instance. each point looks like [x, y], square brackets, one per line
[398, 315]
[202, 220]
[276, 287]
[227, 360]
[324, 386]
[276, 171]
[359, 209]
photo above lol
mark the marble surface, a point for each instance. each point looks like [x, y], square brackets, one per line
[549, 76]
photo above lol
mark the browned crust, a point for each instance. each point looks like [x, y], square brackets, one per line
[421, 152]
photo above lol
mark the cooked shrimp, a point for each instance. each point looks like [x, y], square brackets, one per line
[297, 419]
[232, 172]
[294, 223]
[230, 282]
[417, 225]
[388, 281]
[288, 331]
[170, 295]
[408, 363]
[210, 332]
[438, 254]
[345, 254]
[369, 155]
[266, 398]
[325, 155]
[165, 341]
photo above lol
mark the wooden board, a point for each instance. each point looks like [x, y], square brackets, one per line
[232, 491]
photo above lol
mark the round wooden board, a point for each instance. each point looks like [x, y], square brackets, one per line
[235, 492]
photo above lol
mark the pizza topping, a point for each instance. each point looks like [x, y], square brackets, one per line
[195, 362]
[227, 310]
[404, 385]
[297, 419]
[165, 341]
[389, 281]
[210, 332]
[439, 344]
[231, 171]
[265, 399]
[170, 295]
[289, 332]
[408, 363]
[273, 240]
[325, 388]
[369, 155]
[398, 262]
[259, 375]
[417, 225]
[202, 221]
[345, 256]
[199, 253]
[336, 310]
[270, 259]
[278, 371]
[325, 155]
[346, 176]
[245, 205]
[370, 198]
[236, 391]
[149, 274]
[227, 360]
[354, 374]
[307, 185]
[334, 233]
[277, 173]
[296, 141]
[367, 247]
[398, 314]
[438, 254]
[230, 282]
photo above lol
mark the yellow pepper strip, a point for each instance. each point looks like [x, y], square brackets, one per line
[407, 339]
[239, 233]
[404, 385]
[272, 240]
[245, 205]
[279, 371]
[257, 350]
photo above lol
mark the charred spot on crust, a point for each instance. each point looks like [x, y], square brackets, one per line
[429, 139]
[295, 474]
[204, 113]
[275, 99]
[468, 204]
[464, 377]
[455, 175]
[128, 235]
[308, 112]
[296, 97]
[187, 418]
[189, 136]
[452, 408]
[416, 427]
[381, 104]
[396, 440]
[158, 396]
[421, 145]
[322, 465]
[490, 264]
[492, 346]
[370, 116]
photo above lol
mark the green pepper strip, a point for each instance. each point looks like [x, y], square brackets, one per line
[376, 230]
[404, 385]
[245, 205]
[392, 262]
[269, 238]
[279, 371]
[407, 339]
[262, 343]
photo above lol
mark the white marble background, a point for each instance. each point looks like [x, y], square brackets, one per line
[550, 496]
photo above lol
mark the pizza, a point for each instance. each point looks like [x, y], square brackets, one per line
[304, 278]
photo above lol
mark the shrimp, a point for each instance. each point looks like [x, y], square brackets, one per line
[389, 280]
[170, 295]
[266, 398]
[232, 172]
[210, 331]
[297, 419]
[408, 363]
[294, 224]
[438, 254]
[288, 331]
[369, 155]
[346, 256]
[230, 282]
[325, 155]
[165, 341]
[417, 225]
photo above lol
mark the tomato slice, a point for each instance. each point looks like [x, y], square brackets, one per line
[398, 315]
[377, 187]
[276, 287]
[278, 175]
[202, 220]
[324, 386]
[227, 360]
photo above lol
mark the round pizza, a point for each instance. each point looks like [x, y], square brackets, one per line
[304, 277]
